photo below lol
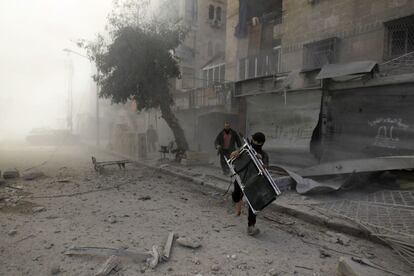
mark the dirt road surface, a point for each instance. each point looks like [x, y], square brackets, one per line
[136, 208]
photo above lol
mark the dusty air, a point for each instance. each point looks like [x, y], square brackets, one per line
[207, 137]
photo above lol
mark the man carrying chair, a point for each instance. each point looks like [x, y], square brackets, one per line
[256, 143]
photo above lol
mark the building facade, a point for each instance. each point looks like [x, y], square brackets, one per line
[276, 49]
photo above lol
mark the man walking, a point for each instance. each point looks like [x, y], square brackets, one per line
[226, 142]
[152, 138]
[257, 142]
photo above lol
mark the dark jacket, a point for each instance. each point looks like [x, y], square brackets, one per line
[265, 158]
[235, 140]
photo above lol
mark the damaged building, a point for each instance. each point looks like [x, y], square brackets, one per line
[326, 81]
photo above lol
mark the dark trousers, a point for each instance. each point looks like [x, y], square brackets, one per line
[223, 163]
[237, 195]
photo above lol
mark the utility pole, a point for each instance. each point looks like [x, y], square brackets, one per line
[97, 95]
[97, 109]
[69, 111]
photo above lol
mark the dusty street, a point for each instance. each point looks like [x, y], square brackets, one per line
[135, 209]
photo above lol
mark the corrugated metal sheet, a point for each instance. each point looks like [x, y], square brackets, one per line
[346, 69]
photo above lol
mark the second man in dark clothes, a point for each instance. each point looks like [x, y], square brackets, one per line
[226, 142]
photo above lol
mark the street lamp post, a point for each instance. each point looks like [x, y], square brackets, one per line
[69, 51]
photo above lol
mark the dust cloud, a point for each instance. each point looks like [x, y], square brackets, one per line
[36, 72]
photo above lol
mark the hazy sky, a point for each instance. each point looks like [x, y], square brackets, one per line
[33, 67]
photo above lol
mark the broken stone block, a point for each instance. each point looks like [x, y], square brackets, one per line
[188, 242]
[11, 174]
[38, 209]
[215, 267]
[348, 267]
[55, 270]
[33, 175]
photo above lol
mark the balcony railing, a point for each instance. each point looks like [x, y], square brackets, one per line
[264, 64]
[216, 95]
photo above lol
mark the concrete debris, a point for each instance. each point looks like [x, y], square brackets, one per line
[272, 272]
[189, 242]
[215, 267]
[168, 246]
[111, 264]
[348, 267]
[323, 254]
[49, 245]
[63, 180]
[33, 175]
[112, 220]
[144, 198]
[11, 174]
[196, 261]
[55, 270]
[103, 251]
[338, 238]
[156, 256]
[38, 209]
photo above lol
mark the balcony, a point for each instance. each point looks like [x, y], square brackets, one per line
[215, 95]
[262, 65]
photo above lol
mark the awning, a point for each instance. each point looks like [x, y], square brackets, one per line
[346, 69]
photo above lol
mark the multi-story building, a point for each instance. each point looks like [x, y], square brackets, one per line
[198, 92]
[275, 50]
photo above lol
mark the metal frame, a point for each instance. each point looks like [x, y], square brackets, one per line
[247, 148]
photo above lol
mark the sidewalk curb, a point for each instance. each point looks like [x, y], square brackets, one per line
[310, 217]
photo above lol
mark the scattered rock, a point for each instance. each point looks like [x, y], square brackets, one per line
[368, 255]
[64, 180]
[33, 175]
[215, 267]
[11, 174]
[272, 272]
[49, 246]
[144, 198]
[12, 232]
[196, 261]
[55, 270]
[38, 209]
[189, 242]
[323, 254]
[338, 238]
[112, 220]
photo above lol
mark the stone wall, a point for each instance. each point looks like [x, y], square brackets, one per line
[358, 24]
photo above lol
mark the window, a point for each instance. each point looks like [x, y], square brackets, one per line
[399, 37]
[214, 74]
[187, 74]
[218, 13]
[319, 53]
[211, 12]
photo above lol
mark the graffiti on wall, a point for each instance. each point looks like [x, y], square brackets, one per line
[387, 131]
[292, 134]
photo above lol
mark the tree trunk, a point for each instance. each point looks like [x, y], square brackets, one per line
[175, 126]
